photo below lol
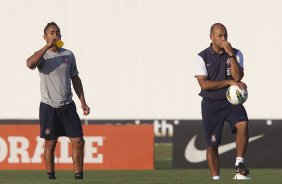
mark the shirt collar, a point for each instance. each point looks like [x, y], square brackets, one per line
[213, 52]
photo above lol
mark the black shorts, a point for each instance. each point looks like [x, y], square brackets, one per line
[215, 113]
[56, 122]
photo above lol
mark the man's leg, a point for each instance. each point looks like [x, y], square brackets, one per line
[77, 156]
[213, 160]
[242, 138]
[49, 157]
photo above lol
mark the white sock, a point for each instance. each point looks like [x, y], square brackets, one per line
[238, 160]
[216, 177]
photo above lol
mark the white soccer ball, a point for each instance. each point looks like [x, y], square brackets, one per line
[235, 95]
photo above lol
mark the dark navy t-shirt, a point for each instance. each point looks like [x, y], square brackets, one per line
[215, 67]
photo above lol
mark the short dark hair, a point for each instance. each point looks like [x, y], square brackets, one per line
[48, 25]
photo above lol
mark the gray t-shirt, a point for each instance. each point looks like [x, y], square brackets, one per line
[55, 71]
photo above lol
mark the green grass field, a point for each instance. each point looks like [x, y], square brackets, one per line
[163, 174]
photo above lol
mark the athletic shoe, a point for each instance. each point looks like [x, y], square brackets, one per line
[241, 169]
[241, 172]
[241, 177]
[79, 175]
[51, 175]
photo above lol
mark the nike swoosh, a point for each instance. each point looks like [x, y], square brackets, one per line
[194, 155]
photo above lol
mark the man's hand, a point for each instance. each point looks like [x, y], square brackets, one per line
[52, 43]
[241, 85]
[86, 109]
[228, 48]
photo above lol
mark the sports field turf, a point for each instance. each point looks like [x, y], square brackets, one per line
[163, 174]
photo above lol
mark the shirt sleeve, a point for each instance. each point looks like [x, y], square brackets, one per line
[240, 58]
[73, 67]
[200, 66]
[39, 66]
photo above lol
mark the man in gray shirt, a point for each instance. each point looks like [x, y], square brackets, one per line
[58, 115]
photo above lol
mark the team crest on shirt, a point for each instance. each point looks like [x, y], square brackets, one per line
[213, 138]
[66, 60]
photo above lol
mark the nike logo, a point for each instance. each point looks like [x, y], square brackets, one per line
[209, 64]
[194, 155]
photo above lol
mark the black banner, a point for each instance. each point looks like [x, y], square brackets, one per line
[264, 148]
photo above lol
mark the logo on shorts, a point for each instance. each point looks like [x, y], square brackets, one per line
[213, 137]
[47, 131]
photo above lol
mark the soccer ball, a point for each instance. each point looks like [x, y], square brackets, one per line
[235, 95]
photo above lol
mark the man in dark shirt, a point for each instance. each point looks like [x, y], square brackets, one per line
[216, 68]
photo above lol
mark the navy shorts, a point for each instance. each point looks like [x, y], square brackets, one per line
[56, 122]
[215, 112]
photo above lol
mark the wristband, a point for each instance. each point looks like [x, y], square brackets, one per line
[232, 56]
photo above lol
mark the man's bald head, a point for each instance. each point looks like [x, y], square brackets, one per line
[217, 26]
[218, 35]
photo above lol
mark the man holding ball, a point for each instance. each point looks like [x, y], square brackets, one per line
[216, 68]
